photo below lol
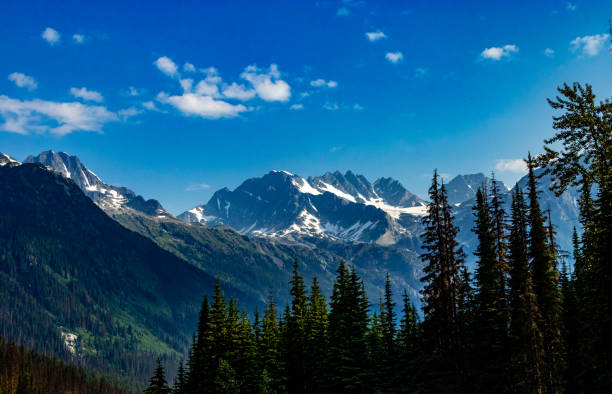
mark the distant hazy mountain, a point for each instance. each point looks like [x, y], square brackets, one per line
[108, 197]
[463, 187]
[563, 211]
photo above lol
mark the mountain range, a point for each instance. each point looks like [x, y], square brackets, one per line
[246, 237]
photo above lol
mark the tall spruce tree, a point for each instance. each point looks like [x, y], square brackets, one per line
[296, 341]
[348, 324]
[584, 132]
[526, 342]
[546, 286]
[268, 351]
[180, 385]
[158, 383]
[490, 325]
[316, 337]
[443, 281]
[410, 357]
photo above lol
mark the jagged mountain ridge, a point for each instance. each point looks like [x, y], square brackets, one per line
[106, 196]
[341, 207]
[252, 264]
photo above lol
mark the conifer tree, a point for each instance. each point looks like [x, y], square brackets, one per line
[180, 381]
[490, 326]
[158, 383]
[348, 323]
[268, 351]
[409, 370]
[316, 336]
[584, 132]
[526, 343]
[443, 281]
[296, 341]
[545, 284]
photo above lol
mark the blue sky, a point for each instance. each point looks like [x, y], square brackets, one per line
[178, 99]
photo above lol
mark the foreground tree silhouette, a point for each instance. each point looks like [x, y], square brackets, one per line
[546, 287]
[584, 131]
[442, 293]
[489, 330]
[526, 343]
[158, 383]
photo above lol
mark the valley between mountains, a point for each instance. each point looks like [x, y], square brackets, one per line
[247, 238]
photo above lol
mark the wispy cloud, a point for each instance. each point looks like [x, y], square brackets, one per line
[197, 186]
[421, 72]
[78, 38]
[497, 53]
[85, 94]
[39, 116]
[343, 11]
[589, 45]
[331, 106]
[296, 107]
[394, 57]
[188, 67]
[511, 165]
[375, 35]
[23, 81]
[51, 35]
[549, 52]
[124, 114]
[317, 83]
[569, 6]
[357, 107]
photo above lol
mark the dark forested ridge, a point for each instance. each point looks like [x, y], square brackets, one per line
[68, 271]
[25, 372]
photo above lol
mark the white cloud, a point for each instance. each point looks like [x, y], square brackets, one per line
[197, 186]
[150, 105]
[85, 94]
[394, 57]
[589, 45]
[357, 107]
[23, 81]
[124, 114]
[549, 52]
[375, 35]
[59, 118]
[317, 83]
[511, 165]
[240, 92]
[132, 91]
[78, 38]
[331, 106]
[343, 11]
[188, 67]
[570, 6]
[268, 85]
[203, 106]
[207, 88]
[166, 65]
[421, 72]
[496, 53]
[335, 148]
[297, 107]
[51, 35]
